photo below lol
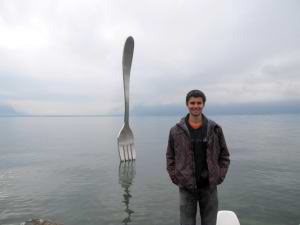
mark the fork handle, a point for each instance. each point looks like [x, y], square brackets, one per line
[126, 78]
[127, 61]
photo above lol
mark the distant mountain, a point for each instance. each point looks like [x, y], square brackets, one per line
[180, 109]
[224, 109]
[7, 110]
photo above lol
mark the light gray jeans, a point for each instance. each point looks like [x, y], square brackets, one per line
[208, 205]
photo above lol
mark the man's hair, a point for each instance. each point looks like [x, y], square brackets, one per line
[195, 94]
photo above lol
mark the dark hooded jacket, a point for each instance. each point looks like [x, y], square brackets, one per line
[180, 156]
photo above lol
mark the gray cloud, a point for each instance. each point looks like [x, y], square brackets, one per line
[65, 57]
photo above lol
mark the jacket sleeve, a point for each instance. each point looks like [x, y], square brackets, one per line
[170, 156]
[224, 159]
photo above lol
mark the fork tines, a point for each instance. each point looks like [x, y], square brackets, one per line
[127, 151]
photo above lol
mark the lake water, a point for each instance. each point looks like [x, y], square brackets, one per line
[67, 169]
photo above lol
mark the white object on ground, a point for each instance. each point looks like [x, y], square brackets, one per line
[227, 218]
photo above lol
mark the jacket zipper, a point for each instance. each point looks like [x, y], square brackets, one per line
[194, 166]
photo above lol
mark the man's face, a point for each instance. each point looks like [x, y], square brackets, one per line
[195, 106]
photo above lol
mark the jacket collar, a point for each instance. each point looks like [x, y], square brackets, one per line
[182, 124]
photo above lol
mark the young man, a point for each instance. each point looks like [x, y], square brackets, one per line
[197, 161]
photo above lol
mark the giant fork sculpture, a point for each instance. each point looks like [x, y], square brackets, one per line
[125, 137]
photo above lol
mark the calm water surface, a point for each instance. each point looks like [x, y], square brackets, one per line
[67, 169]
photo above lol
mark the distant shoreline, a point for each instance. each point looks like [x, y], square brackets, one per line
[158, 115]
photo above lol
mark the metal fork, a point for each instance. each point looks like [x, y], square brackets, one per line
[125, 137]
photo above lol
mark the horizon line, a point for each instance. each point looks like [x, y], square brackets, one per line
[140, 115]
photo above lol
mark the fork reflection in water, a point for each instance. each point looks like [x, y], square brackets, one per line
[126, 177]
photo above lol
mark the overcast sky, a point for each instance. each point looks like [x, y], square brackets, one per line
[64, 56]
